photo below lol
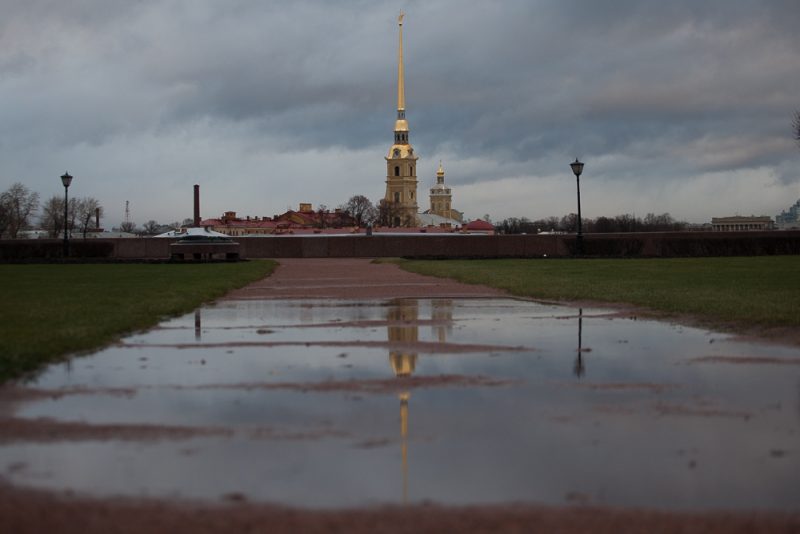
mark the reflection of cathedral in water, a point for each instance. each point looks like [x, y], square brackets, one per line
[403, 328]
[403, 320]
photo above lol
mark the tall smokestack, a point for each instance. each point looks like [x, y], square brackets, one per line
[97, 218]
[196, 206]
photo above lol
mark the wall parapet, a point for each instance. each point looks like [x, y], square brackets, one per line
[630, 245]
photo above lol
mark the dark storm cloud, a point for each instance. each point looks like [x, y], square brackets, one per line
[606, 76]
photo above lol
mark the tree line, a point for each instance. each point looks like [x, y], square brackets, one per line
[21, 210]
[19, 206]
[600, 225]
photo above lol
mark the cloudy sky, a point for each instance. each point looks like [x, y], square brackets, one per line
[682, 106]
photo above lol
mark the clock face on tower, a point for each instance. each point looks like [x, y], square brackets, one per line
[397, 152]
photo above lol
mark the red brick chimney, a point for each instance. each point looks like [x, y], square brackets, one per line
[196, 206]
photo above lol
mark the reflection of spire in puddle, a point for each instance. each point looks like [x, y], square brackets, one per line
[404, 443]
[579, 368]
[402, 328]
[198, 325]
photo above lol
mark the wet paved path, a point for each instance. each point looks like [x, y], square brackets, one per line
[353, 279]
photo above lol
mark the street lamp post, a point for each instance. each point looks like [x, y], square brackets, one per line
[577, 168]
[66, 179]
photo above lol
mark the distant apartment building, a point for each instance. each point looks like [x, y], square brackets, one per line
[740, 223]
[789, 218]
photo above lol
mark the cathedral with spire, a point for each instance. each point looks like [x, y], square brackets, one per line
[399, 206]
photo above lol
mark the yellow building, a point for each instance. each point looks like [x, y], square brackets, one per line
[441, 198]
[400, 201]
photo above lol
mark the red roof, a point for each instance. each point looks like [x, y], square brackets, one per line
[239, 223]
[480, 224]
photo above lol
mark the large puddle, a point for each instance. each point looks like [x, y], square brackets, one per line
[465, 401]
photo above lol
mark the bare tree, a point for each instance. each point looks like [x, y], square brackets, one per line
[18, 205]
[4, 217]
[86, 209]
[127, 226]
[52, 217]
[361, 209]
[568, 223]
[72, 214]
[151, 227]
[391, 214]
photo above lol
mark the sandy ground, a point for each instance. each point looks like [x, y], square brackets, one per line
[29, 511]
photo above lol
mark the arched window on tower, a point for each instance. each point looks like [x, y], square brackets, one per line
[397, 197]
[397, 170]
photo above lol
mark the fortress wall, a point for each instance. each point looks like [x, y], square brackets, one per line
[667, 244]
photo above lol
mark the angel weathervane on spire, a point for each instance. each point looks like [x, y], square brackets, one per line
[400, 18]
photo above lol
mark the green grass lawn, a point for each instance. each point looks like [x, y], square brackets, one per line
[746, 292]
[49, 311]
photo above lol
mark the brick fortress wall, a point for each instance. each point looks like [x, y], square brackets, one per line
[675, 244]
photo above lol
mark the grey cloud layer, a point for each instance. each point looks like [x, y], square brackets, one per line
[682, 87]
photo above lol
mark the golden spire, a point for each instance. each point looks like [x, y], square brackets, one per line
[401, 92]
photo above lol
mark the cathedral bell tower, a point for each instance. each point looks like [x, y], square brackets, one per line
[441, 197]
[400, 201]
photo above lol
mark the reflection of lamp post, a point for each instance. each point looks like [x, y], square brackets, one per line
[198, 325]
[579, 369]
[577, 168]
[66, 179]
